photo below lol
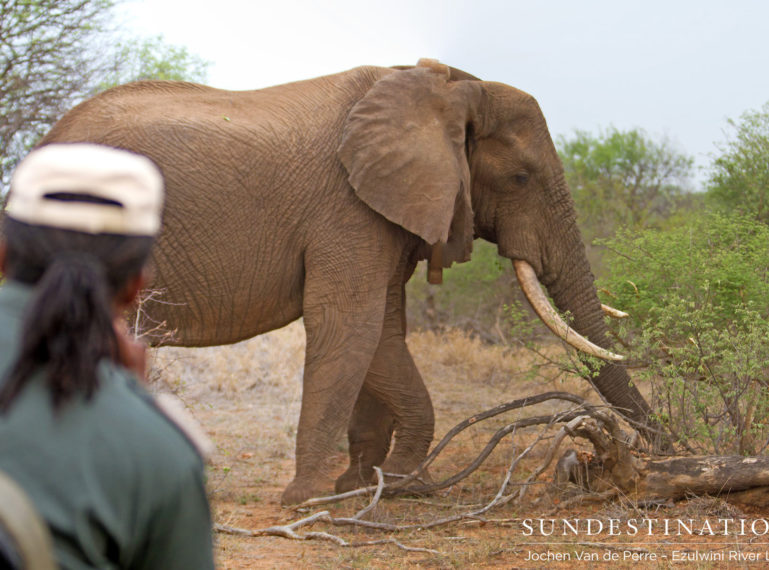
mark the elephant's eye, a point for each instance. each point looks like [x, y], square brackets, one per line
[521, 178]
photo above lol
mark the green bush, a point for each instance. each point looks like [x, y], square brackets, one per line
[739, 178]
[698, 295]
[623, 178]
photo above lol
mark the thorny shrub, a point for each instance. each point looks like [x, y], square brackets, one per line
[698, 295]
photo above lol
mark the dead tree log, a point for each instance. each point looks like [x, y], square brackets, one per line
[685, 476]
[616, 464]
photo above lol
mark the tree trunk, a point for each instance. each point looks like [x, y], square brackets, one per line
[678, 477]
[646, 480]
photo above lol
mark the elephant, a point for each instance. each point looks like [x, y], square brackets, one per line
[317, 199]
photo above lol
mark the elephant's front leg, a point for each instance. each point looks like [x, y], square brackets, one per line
[343, 316]
[339, 350]
[393, 398]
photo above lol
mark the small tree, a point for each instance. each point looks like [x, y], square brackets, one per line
[44, 66]
[622, 179]
[151, 58]
[698, 294]
[739, 179]
[55, 53]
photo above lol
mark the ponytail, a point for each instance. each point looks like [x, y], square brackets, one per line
[67, 329]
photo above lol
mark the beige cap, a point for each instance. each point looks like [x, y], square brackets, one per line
[46, 185]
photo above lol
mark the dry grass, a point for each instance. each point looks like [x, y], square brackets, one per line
[247, 396]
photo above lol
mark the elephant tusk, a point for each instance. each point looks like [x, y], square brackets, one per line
[614, 313]
[536, 296]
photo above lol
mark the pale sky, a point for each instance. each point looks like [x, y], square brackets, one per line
[676, 68]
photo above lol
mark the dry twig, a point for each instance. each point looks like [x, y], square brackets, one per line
[574, 417]
[403, 486]
[290, 530]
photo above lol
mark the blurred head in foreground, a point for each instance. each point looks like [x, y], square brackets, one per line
[79, 224]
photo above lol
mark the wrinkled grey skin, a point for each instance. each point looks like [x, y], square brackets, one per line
[317, 199]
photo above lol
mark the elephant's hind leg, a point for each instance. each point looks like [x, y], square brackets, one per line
[369, 436]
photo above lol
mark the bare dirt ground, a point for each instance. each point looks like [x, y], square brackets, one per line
[247, 398]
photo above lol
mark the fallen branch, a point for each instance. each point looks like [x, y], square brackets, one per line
[403, 486]
[290, 530]
[615, 469]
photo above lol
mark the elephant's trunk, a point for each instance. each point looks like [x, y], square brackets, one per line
[570, 282]
[573, 290]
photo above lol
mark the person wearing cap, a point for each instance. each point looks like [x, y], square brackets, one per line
[118, 484]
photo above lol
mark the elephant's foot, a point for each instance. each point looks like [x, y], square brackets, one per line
[355, 477]
[299, 490]
[400, 466]
[358, 476]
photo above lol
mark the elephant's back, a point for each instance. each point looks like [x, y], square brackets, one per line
[252, 180]
[300, 106]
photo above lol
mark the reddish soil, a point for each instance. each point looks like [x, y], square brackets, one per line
[247, 397]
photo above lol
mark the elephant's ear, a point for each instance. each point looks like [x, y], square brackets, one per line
[404, 149]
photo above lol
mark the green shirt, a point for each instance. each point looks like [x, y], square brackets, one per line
[117, 483]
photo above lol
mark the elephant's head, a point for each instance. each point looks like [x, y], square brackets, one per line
[451, 158]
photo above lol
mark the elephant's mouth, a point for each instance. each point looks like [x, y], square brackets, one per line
[527, 278]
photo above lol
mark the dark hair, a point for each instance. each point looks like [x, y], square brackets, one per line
[67, 326]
